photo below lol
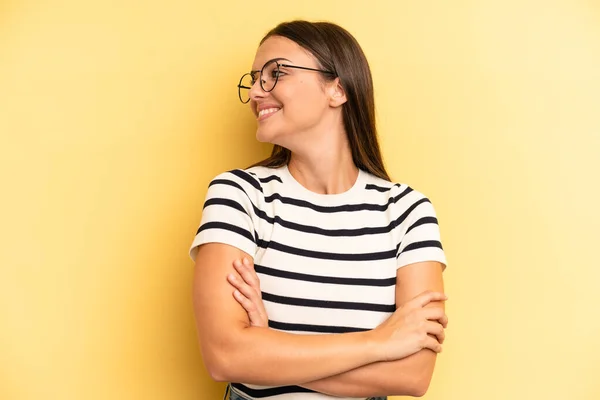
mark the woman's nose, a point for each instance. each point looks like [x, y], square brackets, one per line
[256, 90]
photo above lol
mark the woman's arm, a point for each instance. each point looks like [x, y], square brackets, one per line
[235, 351]
[406, 377]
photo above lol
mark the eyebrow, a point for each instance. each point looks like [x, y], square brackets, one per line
[272, 59]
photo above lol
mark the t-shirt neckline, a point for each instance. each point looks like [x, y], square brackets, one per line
[306, 193]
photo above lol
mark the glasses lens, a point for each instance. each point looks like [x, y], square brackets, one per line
[244, 88]
[269, 76]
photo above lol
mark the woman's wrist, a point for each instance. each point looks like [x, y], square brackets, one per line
[374, 345]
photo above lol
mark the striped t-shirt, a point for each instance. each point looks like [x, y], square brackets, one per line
[326, 263]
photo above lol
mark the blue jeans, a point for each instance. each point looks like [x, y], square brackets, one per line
[235, 396]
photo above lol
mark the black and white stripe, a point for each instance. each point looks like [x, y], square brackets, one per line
[327, 264]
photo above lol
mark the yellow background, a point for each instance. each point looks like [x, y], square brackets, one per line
[114, 117]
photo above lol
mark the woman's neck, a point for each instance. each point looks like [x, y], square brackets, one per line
[324, 173]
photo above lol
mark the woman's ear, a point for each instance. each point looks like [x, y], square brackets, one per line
[337, 95]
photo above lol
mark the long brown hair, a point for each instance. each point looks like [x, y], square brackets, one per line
[337, 50]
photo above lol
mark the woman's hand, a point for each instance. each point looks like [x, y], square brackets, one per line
[248, 292]
[413, 327]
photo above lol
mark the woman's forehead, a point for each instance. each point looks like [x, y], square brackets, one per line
[277, 47]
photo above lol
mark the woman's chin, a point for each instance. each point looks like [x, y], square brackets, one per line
[265, 137]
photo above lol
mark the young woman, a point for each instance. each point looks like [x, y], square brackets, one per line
[341, 291]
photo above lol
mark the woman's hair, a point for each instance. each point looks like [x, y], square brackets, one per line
[337, 50]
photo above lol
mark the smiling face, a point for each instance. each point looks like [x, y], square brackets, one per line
[300, 105]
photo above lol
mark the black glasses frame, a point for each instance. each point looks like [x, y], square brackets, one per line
[251, 74]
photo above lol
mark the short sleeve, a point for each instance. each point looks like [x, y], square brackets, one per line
[421, 240]
[228, 213]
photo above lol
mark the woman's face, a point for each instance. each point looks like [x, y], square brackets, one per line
[296, 107]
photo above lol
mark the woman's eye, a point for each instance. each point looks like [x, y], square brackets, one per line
[278, 74]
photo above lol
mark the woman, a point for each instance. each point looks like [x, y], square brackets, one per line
[350, 264]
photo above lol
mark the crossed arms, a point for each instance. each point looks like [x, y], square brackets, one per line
[358, 364]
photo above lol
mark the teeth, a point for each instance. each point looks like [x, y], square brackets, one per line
[267, 111]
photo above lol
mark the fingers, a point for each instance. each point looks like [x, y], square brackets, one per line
[427, 297]
[444, 321]
[242, 287]
[254, 314]
[247, 297]
[432, 344]
[435, 314]
[437, 330]
[244, 301]
[248, 274]
[248, 293]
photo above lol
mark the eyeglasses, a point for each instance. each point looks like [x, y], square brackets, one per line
[269, 76]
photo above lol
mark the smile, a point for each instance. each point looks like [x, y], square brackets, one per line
[262, 114]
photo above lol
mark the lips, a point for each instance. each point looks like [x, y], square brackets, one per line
[267, 111]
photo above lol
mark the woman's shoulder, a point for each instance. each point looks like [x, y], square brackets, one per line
[393, 188]
[252, 179]
[399, 197]
[265, 174]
